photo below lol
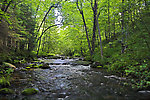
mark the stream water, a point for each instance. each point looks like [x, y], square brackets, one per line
[63, 81]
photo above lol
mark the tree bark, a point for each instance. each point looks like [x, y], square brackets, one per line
[81, 12]
[45, 31]
[47, 14]
[45, 17]
[7, 6]
[99, 32]
[40, 42]
[109, 20]
[122, 27]
[94, 8]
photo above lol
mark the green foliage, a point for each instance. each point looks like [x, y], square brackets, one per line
[141, 75]
[6, 91]
[34, 66]
[4, 69]
[99, 66]
[5, 81]
[29, 91]
[133, 62]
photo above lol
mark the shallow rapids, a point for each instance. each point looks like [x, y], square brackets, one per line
[67, 82]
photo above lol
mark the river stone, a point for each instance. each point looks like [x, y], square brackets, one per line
[144, 92]
[45, 66]
[6, 91]
[95, 64]
[29, 91]
[28, 67]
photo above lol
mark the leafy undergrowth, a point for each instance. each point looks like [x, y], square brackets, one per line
[134, 62]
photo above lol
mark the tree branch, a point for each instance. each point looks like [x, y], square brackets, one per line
[45, 31]
[47, 14]
[45, 17]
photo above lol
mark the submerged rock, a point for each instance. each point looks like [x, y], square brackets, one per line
[144, 92]
[28, 67]
[95, 64]
[29, 91]
[6, 91]
[45, 66]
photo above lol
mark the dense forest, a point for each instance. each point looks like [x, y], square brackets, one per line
[112, 34]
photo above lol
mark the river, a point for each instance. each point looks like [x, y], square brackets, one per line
[63, 81]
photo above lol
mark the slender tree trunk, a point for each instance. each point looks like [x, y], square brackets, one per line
[45, 31]
[87, 37]
[94, 8]
[45, 17]
[37, 8]
[114, 26]
[7, 6]
[4, 5]
[40, 41]
[122, 28]
[16, 46]
[114, 22]
[146, 5]
[38, 47]
[99, 32]
[81, 49]
[106, 33]
[54, 5]
[109, 19]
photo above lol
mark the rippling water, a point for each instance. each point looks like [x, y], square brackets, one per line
[67, 82]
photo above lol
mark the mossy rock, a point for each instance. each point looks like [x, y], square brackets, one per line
[28, 67]
[45, 66]
[40, 65]
[31, 65]
[29, 91]
[6, 91]
[36, 66]
[99, 66]
[35, 61]
[23, 69]
[96, 65]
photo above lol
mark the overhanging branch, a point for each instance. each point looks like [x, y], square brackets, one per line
[45, 31]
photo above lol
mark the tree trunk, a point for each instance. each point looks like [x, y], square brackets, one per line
[122, 27]
[114, 26]
[94, 8]
[146, 5]
[81, 12]
[106, 34]
[40, 40]
[109, 20]
[99, 32]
